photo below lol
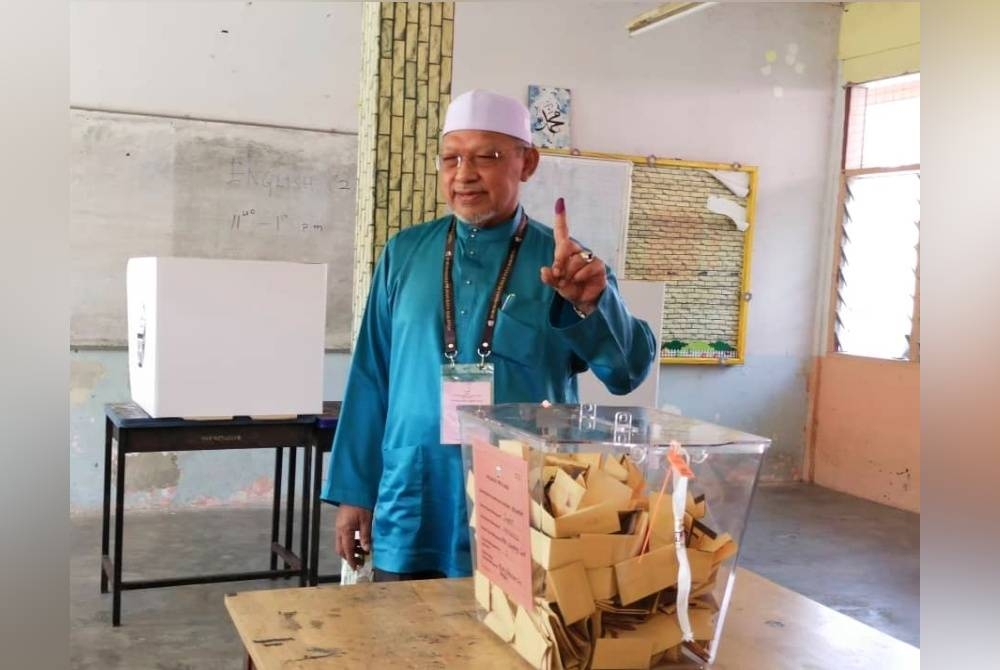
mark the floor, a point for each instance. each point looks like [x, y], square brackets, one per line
[857, 557]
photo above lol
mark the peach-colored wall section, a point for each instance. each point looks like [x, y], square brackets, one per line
[866, 429]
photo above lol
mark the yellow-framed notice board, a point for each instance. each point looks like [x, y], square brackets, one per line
[690, 225]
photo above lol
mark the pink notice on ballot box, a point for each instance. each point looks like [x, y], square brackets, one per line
[503, 549]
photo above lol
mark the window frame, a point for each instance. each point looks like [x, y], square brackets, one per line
[838, 252]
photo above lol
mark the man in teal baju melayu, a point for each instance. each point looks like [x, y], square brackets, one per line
[558, 314]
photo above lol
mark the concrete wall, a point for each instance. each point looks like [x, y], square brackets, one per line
[700, 89]
[289, 64]
[292, 64]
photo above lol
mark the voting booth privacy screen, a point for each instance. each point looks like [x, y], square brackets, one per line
[605, 537]
[222, 338]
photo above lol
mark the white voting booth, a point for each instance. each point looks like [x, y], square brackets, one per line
[222, 338]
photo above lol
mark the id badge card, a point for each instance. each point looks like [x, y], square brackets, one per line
[462, 384]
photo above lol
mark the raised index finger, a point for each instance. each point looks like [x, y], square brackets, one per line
[560, 228]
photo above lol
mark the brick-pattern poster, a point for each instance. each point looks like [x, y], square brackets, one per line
[673, 237]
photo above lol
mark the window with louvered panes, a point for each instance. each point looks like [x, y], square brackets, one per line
[876, 292]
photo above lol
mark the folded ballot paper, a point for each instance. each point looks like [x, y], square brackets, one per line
[603, 588]
[365, 572]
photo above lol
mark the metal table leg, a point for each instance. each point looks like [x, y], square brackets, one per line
[276, 510]
[116, 607]
[317, 483]
[106, 509]
[304, 528]
[290, 503]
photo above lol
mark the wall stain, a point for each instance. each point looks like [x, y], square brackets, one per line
[83, 378]
[151, 472]
[259, 490]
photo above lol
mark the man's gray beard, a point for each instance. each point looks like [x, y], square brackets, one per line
[478, 218]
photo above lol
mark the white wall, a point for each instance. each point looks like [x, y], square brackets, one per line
[290, 64]
[695, 89]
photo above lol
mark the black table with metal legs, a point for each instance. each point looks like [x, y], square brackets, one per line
[134, 431]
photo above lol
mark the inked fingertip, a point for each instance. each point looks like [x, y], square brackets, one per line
[560, 206]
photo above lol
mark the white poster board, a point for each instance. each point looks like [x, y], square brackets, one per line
[597, 193]
[645, 301]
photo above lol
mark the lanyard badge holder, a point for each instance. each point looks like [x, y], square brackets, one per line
[469, 383]
[462, 384]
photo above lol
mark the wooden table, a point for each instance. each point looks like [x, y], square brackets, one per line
[432, 624]
[129, 430]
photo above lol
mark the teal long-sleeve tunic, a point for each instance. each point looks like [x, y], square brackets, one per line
[386, 453]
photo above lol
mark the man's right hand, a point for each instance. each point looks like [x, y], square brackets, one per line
[349, 520]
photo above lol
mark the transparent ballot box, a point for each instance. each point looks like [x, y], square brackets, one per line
[605, 537]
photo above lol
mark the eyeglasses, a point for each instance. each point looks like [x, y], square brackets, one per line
[484, 160]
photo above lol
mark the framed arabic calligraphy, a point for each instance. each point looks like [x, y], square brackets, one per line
[550, 111]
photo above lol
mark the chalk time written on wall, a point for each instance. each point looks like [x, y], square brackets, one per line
[250, 220]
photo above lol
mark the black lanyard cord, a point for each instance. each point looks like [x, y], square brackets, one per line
[485, 347]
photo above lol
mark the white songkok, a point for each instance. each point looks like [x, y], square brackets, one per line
[483, 110]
